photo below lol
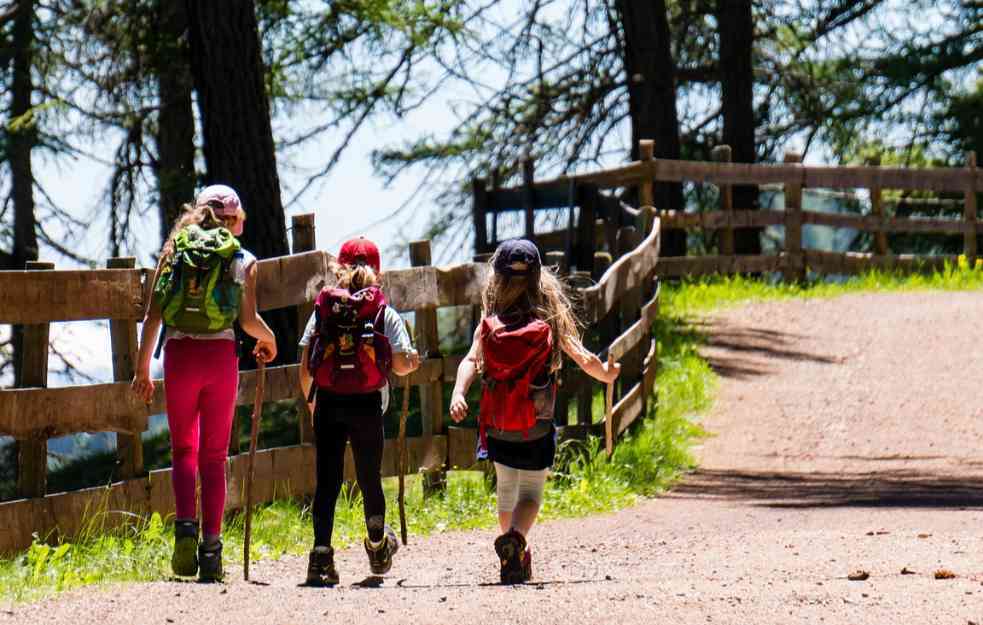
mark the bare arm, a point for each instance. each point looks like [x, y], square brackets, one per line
[467, 371]
[142, 385]
[405, 363]
[588, 361]
[305, 378]
[252, 323]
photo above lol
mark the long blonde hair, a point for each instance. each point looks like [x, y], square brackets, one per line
[355, 277]
[544, 298]
[202, 216]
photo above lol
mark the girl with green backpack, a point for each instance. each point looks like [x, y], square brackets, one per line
[203, 284]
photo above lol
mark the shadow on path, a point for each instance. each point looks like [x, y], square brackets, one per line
[900, 488]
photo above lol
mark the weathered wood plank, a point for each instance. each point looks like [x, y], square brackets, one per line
[854, 263]
[626, 273]
[676, 266]
[28, 297]
[290, 280]
[461, 445]
[54, 412]
[874, 223]
[722, 219]
[633, 336]
[460, 285]
[628, 409]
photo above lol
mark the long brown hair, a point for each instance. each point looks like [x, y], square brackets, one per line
[544, 298]
[202, 216]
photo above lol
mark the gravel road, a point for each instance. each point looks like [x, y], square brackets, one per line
[847, 436]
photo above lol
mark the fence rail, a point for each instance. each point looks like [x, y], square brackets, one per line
[34, 414]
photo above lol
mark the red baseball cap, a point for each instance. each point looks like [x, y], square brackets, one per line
[359, 251]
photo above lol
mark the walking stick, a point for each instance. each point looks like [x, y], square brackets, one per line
[253, 435]
[403, 455]
[403, 459]
[608, 408]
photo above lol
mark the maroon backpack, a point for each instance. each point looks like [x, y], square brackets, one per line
[349, 353]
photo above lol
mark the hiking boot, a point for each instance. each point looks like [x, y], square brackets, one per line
[381, 557]
[527, 565]
[511, 550]
[184, 559]
[210, 563]
[320, 567]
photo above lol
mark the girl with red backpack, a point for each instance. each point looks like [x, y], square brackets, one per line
[528, 322]
[204, 282]
[351, 343]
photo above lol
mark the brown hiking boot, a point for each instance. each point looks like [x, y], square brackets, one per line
[511, 550]
[320, 567]
[381, 557]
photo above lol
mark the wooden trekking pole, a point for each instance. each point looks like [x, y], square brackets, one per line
[403, 458]
[253, 435]
[403, 455]
[608, 411]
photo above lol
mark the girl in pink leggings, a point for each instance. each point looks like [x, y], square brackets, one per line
[201, 365]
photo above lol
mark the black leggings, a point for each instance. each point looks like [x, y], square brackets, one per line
[338, 418]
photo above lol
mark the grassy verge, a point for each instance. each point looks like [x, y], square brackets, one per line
[645, 461]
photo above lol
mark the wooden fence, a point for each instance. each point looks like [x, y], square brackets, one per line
[620, 307]
[599, 214]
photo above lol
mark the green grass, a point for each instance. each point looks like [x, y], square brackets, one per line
[645, 462]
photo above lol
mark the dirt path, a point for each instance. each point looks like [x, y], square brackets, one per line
[848, 436]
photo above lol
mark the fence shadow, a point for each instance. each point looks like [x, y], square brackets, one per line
[741, 352]
[903, 488]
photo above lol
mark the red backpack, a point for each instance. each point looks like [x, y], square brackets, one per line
[350, 352]
[515, 355]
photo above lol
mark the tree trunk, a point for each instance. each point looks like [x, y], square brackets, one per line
[21, 142]
[736, 30]
[238, 139]
[652, 98]
[175, 166]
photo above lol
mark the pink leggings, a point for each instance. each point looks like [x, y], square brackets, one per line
[200, 383]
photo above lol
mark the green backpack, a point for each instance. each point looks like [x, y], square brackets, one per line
[196, 290]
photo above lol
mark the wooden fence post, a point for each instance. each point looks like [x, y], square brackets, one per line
[646, 152]
[32, 454]
[123, 336]
[969, 211]
[603, 333]
[630, 308]
[303, 240]
[794, 262]
[479, 208]
[431, 394]
[877, 210]
[587, 201]
[529, 196]
[722, 154]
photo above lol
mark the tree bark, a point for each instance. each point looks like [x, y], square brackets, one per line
[175, 166]
[21, 142]
[652, 98]
[736, 30]
[238, 138]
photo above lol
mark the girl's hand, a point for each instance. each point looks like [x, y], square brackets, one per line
[265, 351]
[611, 371]
[143, 386]
[459, 407]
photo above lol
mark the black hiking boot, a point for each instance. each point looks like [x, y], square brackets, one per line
[527, 565]
[320, 567]
[184, 559]
[210, 562]
[381, 557]
[511, 550]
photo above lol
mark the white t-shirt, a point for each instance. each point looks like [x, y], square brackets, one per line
[241, 262]
[395, 331]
